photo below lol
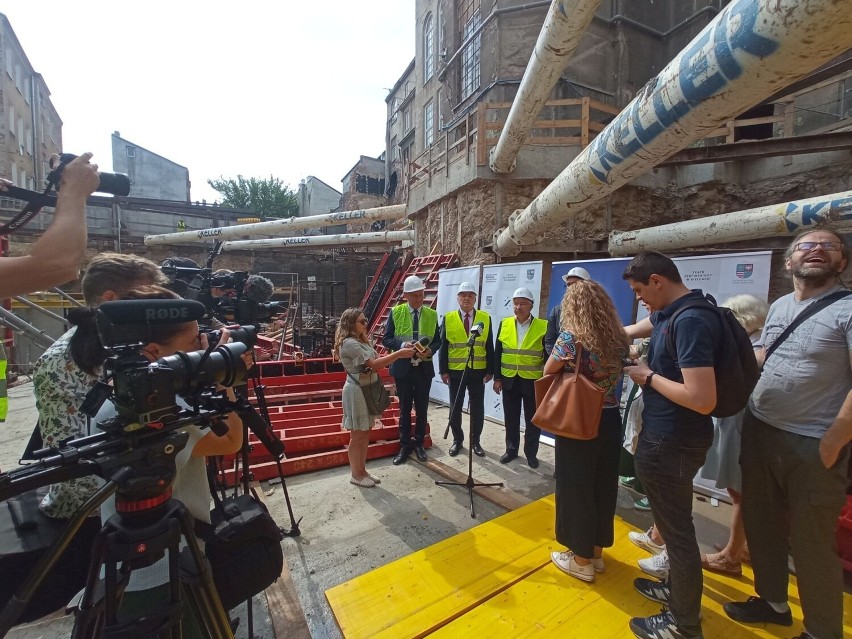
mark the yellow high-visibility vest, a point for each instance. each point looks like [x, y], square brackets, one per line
[457, 348]
[526, 360]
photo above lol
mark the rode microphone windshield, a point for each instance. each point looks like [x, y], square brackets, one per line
[127, 321]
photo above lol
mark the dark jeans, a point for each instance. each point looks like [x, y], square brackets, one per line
[475, 386]
[520, 392]
[788, 494]
[413, 389]
[587, 487]
[666, 466]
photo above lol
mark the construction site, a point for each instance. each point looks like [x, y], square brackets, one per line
[522, 140]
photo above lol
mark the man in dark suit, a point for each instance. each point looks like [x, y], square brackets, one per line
[407, 324]
[457, 331]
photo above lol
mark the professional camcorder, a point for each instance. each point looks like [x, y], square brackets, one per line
[145, 392]
[113, 183]
[248, 305]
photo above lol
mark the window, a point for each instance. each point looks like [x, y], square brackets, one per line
[395, 148]
[29, 142]
[23, 178]
[12, 120]
[428, 124]
[27, 90]
[14, 174]
[406, 120]
[469, 20]
[130, 151]
[428, 48]
[21, 131]
[10, 65]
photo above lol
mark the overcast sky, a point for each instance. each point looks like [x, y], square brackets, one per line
[288, 88]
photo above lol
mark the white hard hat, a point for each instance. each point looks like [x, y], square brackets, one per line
[577, 271]
[523, 292]
[466, 287]
[412, 284]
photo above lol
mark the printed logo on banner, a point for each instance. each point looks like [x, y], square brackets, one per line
[489, 299]
[530, 273]
[491, 277]
[745, 271]
[510, 277]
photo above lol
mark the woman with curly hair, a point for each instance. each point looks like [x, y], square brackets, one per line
[587, 470]
[352, 346]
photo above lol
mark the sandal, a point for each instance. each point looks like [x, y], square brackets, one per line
[722, 564]
[364, 482]
[376, 480]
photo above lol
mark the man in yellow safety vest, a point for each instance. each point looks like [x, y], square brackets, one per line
[520, 360]
[466, 368]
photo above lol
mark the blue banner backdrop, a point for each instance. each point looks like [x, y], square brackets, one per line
[607, 273]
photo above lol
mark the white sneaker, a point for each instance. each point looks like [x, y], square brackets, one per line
[598, 564]
[656, 566]
[643, 540]
[566, 563]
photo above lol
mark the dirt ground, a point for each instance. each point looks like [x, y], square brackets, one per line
[347, 531]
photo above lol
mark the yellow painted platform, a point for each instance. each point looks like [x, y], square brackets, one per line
[496, 580]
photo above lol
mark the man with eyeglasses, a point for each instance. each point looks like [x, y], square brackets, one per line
[554, 320]
[520, 361]
[795, 445]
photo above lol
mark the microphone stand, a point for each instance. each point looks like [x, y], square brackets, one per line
[469, 483]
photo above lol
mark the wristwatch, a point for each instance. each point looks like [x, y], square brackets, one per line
[648, 379]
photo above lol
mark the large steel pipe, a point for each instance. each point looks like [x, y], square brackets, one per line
[833, 211]
[343, 239]
[561, 33]
[751, 50]
[275, 227]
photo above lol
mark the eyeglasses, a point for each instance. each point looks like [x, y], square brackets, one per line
[810, 246]
[363, 320]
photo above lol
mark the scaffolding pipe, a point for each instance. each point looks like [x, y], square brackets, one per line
[561, 33]
[39, 337]
[749, 51]
[828, 211]
[343, 239]
[65, 296]
[275, 227]
[44, 311]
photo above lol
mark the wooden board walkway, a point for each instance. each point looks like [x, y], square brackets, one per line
[496, 580]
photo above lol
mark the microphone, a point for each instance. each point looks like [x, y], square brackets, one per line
[419, 347]
[475, 331]
[127, 322]
[150, 311]
[258, 288]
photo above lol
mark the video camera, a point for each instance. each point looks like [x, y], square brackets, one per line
[145, 392]
[249, 305]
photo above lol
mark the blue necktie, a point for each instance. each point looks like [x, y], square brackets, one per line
[416, 324]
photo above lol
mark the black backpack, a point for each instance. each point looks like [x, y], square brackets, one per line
[735, 365]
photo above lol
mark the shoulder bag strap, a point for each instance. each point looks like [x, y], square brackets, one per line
[812, 309]
[578, 359]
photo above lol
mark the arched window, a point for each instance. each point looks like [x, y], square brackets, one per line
[428, 48]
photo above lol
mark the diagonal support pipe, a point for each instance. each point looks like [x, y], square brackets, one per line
[833, 211]
[748, 52]
[274, 227]
[561, 33]
[343, 239]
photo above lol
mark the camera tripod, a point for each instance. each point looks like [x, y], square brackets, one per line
[469, 483]
[147, 525]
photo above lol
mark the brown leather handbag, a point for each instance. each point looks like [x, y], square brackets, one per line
[569, 404]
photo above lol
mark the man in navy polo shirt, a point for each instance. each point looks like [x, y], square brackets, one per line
[680, 391]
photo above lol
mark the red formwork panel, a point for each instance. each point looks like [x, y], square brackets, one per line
[306, 413]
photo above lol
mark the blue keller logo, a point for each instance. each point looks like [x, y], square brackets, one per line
[745, 271]
[530, 273]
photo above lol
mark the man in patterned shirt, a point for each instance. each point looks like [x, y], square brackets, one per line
[60, 386]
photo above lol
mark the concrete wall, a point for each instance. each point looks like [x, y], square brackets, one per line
[151, 175]
[316, 197]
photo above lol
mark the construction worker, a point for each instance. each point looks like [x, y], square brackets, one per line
[553, 321]
[466, 368]
[407, 326]
[520, 360]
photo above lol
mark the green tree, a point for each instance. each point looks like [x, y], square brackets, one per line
[268, 198]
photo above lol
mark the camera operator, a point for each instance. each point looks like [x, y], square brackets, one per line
[148, 588]
[61, 385]
[55, 257]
